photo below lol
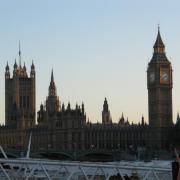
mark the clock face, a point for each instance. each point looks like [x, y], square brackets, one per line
[164, 77]
[151, 77]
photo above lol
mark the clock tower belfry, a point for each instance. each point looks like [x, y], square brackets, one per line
[159, 84]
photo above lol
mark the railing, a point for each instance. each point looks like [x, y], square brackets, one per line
[27, 169]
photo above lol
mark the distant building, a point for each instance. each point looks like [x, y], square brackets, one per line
[66, 128]
[106, 116]
[159, 78]
[20, 96]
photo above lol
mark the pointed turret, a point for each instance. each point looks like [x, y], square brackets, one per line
[82, 107]
[41, 115]
[178, 119]
[32, 70]
[24, 67]
[7, 67]
[52, 101]
[24, 73]
[15, 65]
[105, 105]
[127, 121]
[76, 106]
[32, 66]
[52, 86]
[106, 117]
[122, 117]
[142, 120]
[69, 106]
[159, 43]
[63, 108]
[41, 107]
[159, 49]
[15, 68]
[121, 120]
[7, 72]
[52, 76]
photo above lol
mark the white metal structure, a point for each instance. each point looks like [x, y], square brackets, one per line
[29, 146]
[29, 169]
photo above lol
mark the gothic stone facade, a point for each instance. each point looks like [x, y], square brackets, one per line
[65, 128]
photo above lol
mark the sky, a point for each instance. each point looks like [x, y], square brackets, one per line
[97, 49]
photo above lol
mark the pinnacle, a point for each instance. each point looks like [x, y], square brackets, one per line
[159, 42]
[52, 76]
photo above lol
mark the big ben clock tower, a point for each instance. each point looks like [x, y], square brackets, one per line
[159, 83]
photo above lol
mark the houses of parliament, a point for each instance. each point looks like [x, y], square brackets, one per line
[61, 127]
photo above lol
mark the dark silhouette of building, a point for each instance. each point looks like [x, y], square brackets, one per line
[106, 116]
[66, 128]
[159, 83]
[20, 96]
[159, 78]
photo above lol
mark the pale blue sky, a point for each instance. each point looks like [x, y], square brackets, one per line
[97, 48]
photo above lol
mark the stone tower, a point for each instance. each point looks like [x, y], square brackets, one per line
[52, 101]
[106, 117]
[20, 96]
[159, 83]
[48, 112]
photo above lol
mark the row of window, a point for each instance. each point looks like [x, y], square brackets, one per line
[24, 102]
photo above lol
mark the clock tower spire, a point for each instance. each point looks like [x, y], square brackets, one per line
[159, 84]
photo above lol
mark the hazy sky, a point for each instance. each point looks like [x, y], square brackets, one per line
[97, 48]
